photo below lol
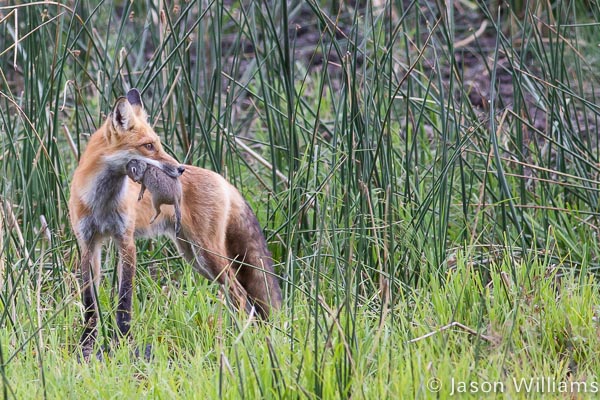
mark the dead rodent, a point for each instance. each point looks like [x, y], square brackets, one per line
[164, 187]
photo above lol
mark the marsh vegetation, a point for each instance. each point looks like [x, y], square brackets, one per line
[426, 174]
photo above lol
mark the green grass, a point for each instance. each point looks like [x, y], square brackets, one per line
[428, 227]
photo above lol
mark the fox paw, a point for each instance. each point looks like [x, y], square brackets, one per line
[87, 353]
[147, 352]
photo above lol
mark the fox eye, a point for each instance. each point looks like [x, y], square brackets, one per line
[149, 146]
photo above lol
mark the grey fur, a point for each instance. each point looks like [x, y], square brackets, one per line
[104, 219]
[174, 171]
[164, 188]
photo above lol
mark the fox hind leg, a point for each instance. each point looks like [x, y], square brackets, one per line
[215, 267]
[225, 275]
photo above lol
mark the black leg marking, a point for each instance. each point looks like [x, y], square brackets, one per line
[126, 278]
[89, 268]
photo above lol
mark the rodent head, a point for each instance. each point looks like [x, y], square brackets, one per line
[136, 169]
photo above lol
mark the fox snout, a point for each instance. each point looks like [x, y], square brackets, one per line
[174, 171]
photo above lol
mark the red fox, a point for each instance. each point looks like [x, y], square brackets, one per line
[220, 235]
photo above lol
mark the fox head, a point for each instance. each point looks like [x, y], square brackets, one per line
[128, 137]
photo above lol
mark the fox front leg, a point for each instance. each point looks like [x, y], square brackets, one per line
[90, 273]
[126, 273]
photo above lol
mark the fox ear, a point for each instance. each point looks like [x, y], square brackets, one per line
[134, 98]
[122, 115]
